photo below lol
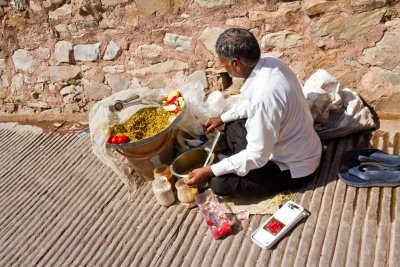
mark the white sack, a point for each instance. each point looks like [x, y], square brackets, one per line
[101, 118]
[337, 112]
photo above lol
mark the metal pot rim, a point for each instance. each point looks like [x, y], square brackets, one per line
[171, 167]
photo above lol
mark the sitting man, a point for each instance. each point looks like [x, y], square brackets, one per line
[270, 134]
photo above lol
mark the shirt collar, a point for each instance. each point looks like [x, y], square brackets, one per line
[246, 89]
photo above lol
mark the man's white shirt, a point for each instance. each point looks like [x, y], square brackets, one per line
[279, 123]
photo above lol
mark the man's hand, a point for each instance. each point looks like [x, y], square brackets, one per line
[211, 124]
[199, 176]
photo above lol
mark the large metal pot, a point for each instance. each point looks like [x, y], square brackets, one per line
[187, 161]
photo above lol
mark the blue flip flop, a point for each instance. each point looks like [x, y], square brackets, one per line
[370, 176]
[382, 159]
[372, 157]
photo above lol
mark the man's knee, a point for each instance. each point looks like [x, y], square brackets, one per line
[236, 135]
[223, 186]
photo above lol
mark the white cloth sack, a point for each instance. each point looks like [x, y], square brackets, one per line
[337, 112]
[101, 118]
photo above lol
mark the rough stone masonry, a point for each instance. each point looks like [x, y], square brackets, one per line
[61, 56]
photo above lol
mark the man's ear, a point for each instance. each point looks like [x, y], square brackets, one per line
[235, 63]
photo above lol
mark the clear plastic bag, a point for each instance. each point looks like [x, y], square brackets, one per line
[215, 218]
[200, 108]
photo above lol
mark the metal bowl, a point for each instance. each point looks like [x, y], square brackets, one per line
[187, 161]
[150, 139]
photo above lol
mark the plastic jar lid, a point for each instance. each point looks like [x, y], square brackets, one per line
[161, 183]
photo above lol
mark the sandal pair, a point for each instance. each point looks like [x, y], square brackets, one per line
[370, 168]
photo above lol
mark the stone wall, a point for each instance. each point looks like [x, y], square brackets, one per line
[61, 56]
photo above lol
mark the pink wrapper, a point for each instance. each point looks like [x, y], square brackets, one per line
[243, 215]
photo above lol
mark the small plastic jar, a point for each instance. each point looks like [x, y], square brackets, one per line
[163, 170]
[186, 194]
[162, 191]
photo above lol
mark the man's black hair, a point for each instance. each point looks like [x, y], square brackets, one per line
[238, 43]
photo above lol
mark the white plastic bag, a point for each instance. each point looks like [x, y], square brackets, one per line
[200, 108]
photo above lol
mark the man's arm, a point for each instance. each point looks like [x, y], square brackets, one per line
[211, 124]
[263, 127]
[236, 112]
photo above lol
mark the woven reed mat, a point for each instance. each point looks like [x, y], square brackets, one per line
[254, 204]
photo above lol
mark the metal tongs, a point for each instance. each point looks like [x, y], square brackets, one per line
[214, 143]
[133, 100]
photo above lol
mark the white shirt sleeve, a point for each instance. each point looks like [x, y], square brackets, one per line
[238, 111]
[263, 128]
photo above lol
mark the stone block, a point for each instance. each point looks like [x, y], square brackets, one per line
[214, 3]
[182, 43]
[4, 81]
[164, 67]
[71, 108]
[17, 83]
[23, 61]
[10, 107]
[94, 74]
[148, 51]
[86, 24]
[25, 110]
[391, 77]
[94, 90]
[29, 79]
[112, 51]
[209, 37]
[65, 10]
[281, 40]
[64, 73]
[315, 7]
[385, 53]
[71, 90]
[131, 16]
[39, 87]
[113, 2]
[365, 3]
[114, 69]
[56, 110]
[331, 27]
[241, 22]
[44, 53]
[63, 51]
[117, 82]
[155, 82]
[150, 7]
[86, 52]
[61, 27]
[38, 105]
[35, 6]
